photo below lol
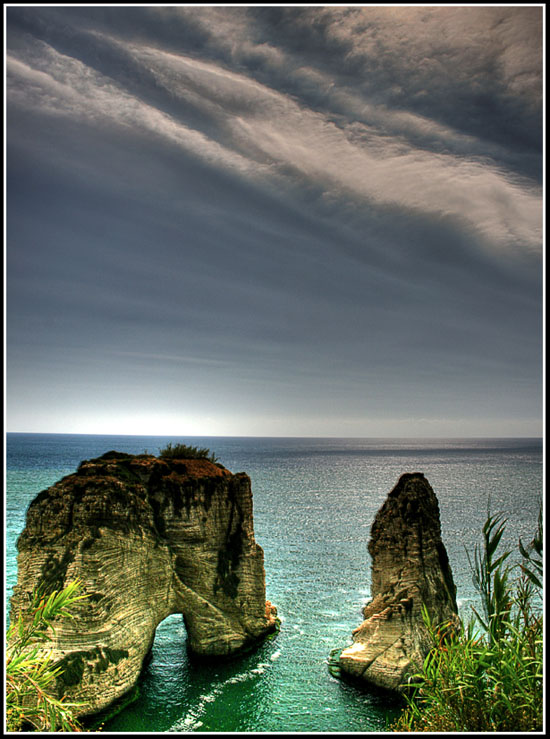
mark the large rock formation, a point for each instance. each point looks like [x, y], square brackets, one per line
[148, 538]
[410, 569]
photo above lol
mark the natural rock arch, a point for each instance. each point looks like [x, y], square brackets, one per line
[148, 538]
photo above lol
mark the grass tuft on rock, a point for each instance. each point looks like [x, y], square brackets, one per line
[184, 451]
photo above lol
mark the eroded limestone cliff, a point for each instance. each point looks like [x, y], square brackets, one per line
[410, 568]
[148, 537]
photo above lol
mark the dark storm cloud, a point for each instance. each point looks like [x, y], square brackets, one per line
[331, 205]
[468, 70]
[477, 72]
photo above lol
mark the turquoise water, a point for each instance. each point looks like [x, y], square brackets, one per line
[314, 502]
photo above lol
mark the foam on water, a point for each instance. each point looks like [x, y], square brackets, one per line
[191, 721]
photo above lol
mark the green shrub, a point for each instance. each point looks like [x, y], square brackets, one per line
[486, 675]
[183, 451]
[30, 671]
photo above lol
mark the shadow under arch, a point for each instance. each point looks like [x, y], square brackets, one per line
[162, 685]
[170, 644]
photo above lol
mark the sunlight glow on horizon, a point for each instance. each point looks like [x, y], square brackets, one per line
[195, 426]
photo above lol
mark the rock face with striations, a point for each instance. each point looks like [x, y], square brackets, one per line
[148, 537]
[410, 569]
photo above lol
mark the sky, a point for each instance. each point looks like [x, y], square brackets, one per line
[274, 220]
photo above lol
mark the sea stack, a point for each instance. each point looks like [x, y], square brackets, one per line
[410, 569]
[147, 537]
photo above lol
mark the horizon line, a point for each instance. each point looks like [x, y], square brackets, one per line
[261, 436]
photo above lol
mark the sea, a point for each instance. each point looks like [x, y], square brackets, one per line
[314, 502]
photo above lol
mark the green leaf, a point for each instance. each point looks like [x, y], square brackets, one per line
[29, 671]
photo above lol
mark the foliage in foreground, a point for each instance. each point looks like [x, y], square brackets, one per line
[486, 675]
[183, 451]
[30, 672]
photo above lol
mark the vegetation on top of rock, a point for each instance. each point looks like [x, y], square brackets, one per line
[183, 451]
